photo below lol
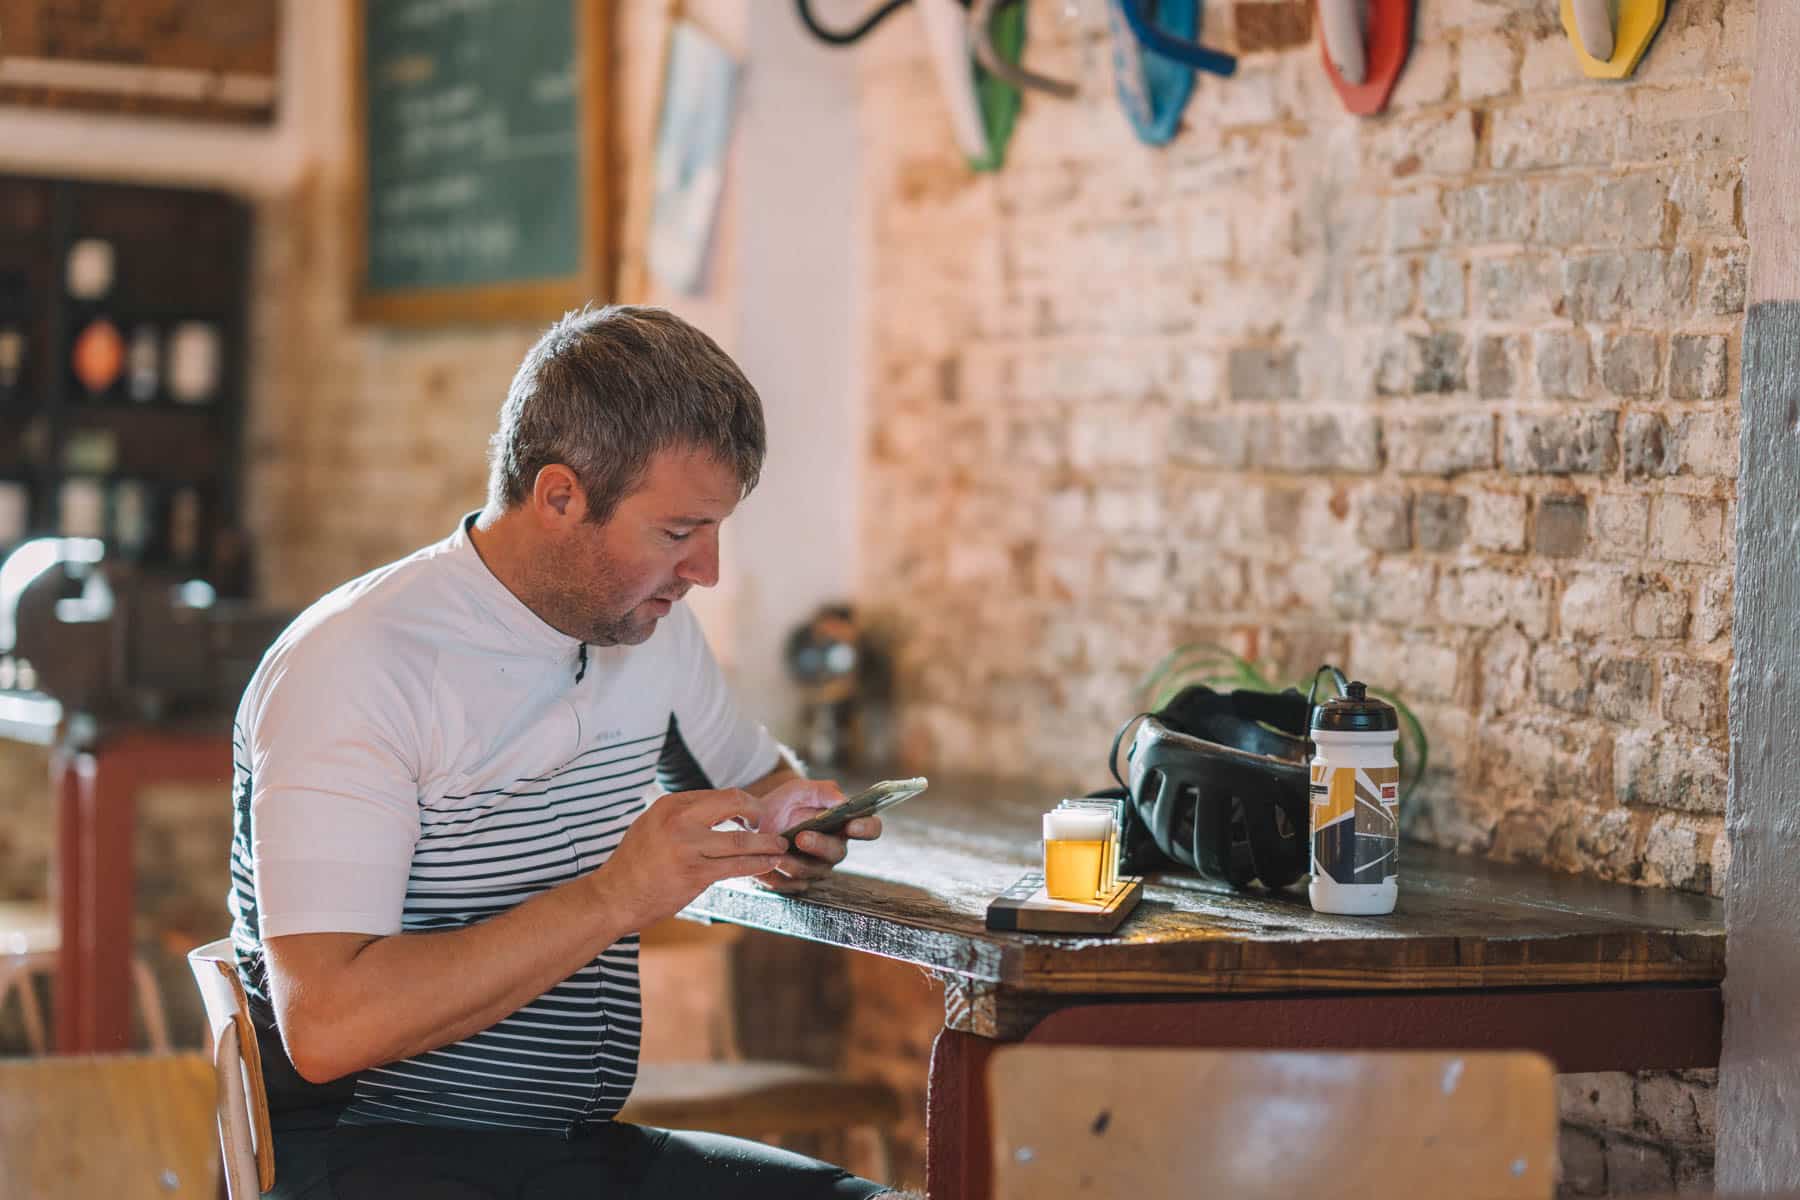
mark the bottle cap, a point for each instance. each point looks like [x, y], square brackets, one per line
[1355, 712]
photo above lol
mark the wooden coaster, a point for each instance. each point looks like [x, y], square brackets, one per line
[1026, 908]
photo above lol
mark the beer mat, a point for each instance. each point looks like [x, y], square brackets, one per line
[1026, 908]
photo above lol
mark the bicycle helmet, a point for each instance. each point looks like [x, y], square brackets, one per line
[1218, 783]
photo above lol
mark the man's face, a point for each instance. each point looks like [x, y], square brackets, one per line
[611, 583]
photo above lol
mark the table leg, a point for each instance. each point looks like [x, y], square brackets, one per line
[112, 901]
[72, 784]
[95, 791]
[956, 1118]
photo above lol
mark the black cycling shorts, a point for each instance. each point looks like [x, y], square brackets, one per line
[614, 1161]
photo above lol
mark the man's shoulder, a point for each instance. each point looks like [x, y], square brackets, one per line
[371, 624]
[371, 605]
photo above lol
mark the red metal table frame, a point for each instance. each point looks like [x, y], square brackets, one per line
[95, 784]
[1639, 1027]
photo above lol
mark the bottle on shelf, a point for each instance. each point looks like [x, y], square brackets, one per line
[89, 269]
[12, 366]
[130, 532]
[98, 357]
[195, 360]
[81, 508]
[144, 364]
[15, 512]
[183, 526]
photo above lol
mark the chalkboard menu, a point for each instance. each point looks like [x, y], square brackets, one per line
[483, 158]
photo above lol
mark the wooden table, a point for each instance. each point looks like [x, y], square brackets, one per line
[1478, 955]
[95, 776]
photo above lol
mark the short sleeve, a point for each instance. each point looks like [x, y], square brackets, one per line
[330, 750]
[729, 748]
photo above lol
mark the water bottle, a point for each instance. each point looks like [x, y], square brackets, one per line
[1355, 805]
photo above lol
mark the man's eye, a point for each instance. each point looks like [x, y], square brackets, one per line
[675, 536]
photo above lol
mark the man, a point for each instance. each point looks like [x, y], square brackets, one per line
[445, 846]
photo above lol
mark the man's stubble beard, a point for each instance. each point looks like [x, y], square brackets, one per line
[594, 610]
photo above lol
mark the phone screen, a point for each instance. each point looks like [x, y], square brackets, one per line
[866, 803]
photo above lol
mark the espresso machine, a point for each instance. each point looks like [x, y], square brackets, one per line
[117, 641]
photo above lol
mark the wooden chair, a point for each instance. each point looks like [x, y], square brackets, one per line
[718, 1090]
[78, 1126]
[763, 1099]
[30, 940]
[240, 1101]
[745, 1099]
[1078, 1121]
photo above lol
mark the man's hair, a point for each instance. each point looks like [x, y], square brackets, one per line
[604, 390]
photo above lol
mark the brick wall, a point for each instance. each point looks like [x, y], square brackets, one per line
[1447, 397]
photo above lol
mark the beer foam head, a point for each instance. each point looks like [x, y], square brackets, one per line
[1067, 825]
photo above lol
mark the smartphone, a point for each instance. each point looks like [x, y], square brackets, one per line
[865, 803]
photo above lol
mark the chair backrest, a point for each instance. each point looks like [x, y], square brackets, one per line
[243, 1105]
[1159, 1124]
[685, 971]
[108, 1125]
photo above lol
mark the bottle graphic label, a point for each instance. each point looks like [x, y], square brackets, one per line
[1355, 823]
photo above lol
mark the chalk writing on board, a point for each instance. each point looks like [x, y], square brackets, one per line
[473, 150]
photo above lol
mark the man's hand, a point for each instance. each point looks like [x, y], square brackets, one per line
[672, 853]
[814, 854]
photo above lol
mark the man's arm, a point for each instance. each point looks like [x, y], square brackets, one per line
[784, 772]
[726, 745]
[348, 1001]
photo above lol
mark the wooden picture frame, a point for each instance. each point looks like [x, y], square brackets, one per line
[536, 299]
[205, 64]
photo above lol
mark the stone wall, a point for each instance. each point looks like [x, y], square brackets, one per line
[1447, 397]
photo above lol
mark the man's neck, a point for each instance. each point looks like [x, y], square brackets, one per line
[499, 540]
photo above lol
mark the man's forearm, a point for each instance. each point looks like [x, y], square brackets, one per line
[787, 769]
[771, 781]
[407, 993]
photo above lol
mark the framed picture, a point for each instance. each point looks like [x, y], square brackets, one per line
[208, 64]
[692, 137]
[483, 188]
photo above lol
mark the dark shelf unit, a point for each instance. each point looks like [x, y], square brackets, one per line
[179, 256]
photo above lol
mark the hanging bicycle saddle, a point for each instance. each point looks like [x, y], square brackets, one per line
[1218, 784]
[1153, 90]
[1364, 45]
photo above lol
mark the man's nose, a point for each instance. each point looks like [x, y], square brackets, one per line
[701, 567]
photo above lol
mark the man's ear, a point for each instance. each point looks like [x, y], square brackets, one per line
[557, 497]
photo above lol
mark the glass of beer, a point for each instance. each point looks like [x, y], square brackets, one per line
[1114, 809]
[1077, 850]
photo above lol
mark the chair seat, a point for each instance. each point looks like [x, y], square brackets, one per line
[28, 927]
[748, 1099]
